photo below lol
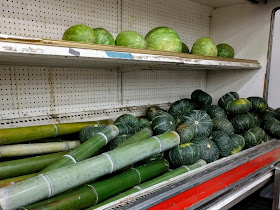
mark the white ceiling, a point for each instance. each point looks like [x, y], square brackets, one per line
[219, 3]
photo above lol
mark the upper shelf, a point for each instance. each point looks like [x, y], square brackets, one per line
[46, 52]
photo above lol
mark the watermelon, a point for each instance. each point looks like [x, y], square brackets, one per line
[258, 104]
[184, 154]
[253, 136]
[143, 122]
[225, 50]
[89, 131]
[129, 120]
[163, 122]
[119, 140]
[243, 122]
[200, 120]
[215, 111]
[202, 99]
[104, 36]
[130, 39]
[238, 106]
[80, 33]
[185, 48]
[152, 111]
[186, 133]
[272, 127]
[222, 124]
[163, 39]
[204, 46]
[238, 143]
[209, 151]
[181, 107]
[223, 101]
[223, 142]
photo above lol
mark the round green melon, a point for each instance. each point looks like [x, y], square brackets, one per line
[209, 151]
[216, 111]
[186, 133]
[223, 101]
[258, 104]
[163, 39]
[267, 138]
[185, 48]
[130, 39]
[238, 106]
[243, 122]
[124, 129]
[89, 131]
[238, 143]
[143, 122]
[181, 107]
[152, 111]
[202, 99]
[225, 50]
[80, 33]
[200, 120]
[253, 136]
[104, 36]
[119, 140]
[272, 127]
[204, 46]
[129, 120]
[268, 115]
[257, 119]
[163, 122]
[223, 142]
[184, 154]
[222, 124]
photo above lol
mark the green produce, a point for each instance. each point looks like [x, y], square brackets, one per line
[253, 136]
[181, 107]
[238, 106]
[163, 39]
[272, 127]
[152, 111]
[143, 122]
[267, 138]
[215, 111]
[89, 131]
[223, 142]
[13, 180]
[186, 133]
[96, 192]
[243, 122]
[152, 158]
[163, 122]
[36, 188]
[238, 143]
[129, 120]
[223, 101]
[131, 39]
[204, 46]
[258, 104]
[277, 110]
[104, 36]
[119, 140]
[225, 50]
[200, 120]
[202, 99]
[209, 151]
[222, 124]
[184, 154]
[80, 33]
[257, 119]
[268, 115]
[185, 48]
[124, 129]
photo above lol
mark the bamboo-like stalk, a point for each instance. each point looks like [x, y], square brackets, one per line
[15, 135]
[168, 175]
[24, 166]
[36, 149]
[88, 195]
[13, 180]
[56, 181]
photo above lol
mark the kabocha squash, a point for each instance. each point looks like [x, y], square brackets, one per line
[257, 119]
[200, 120]
[223, 101]
[143, 122]
[253, 136]
[243, 122]
[268, 115]
[239, 106]
[163, 122]
[222, 124]
[223, 142]
[238, 143]
[186, 133]
[267, 138]
[124, 129]
[89, 131]
[184, 154]
[119, 140]
[202, 99]
[181, 107]
[215, 111]
[272, 127]
[209, 151]
[152, 111]
[129, 120]
[258, 104]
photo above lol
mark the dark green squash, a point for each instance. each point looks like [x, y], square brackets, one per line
[277, 110]
[152, 158]
[258, 104]
[119, 140]
[267, 138]
[257, 118]
[124, 129]
[151, 111]
[222, 124]
[143, 122]
[268, 115]
[239, 106]
[272, 127]
[200, 120]
[223, 142]
[129, 120]
[238, 143]
[184, 154]
[209, 151]
[186, 133]
[223, 101]
[202, 99]
[89, 131]
[181, 107]
[253, 136]
[163, 122]
[215, 111]
[243, 122]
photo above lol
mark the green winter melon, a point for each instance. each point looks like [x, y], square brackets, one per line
[129, 120]
[225, 50]
[223, 101]
[238, 143]
[186, 133]
[202, 99]
[238, 106]
[163, 122]
[253, 136]
[80, 33]
[181, 107]
[152, 111]
[184, 154]
[258, 104]
[216, 111]
[119, 140]
[272, 127]
[243, 122]
[223, 142]
[222, 124]
[89, 131]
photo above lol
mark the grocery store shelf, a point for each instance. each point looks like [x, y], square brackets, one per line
[220, 3]
[44, 52]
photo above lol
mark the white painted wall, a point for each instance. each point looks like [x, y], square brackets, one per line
[246, 27]
[274, 85]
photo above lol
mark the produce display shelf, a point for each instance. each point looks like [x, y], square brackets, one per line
[45, 52]
[217, 185]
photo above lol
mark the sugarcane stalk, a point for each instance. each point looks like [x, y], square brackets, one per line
[56, 181]
[96, 192]
[24, 166]
[87, 149]
[36, 149]
[168, 175]
[15, 135]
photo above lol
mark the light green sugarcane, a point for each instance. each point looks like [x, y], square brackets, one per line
[168, 175]
[56, 181]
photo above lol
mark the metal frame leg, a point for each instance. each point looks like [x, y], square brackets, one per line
[276, 192]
